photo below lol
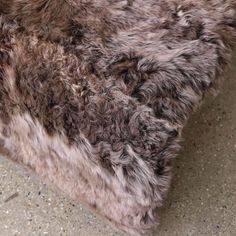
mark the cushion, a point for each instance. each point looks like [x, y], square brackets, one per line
[94, 94]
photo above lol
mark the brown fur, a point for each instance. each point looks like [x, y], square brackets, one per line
[94, 94]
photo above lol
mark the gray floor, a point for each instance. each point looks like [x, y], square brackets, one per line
[202, 200]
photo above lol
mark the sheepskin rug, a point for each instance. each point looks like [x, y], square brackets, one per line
[94, 94]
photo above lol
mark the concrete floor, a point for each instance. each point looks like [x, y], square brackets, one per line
[202, 199]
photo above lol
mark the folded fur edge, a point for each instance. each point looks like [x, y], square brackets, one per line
[19, 145]
[27, 143]
[73, 171]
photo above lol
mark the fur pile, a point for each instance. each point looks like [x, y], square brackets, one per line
[94, 94]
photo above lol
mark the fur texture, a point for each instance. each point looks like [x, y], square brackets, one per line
[94, 94]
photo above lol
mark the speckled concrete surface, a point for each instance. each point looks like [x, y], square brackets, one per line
[202, 200]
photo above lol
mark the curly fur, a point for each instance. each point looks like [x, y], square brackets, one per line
[94, 94]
